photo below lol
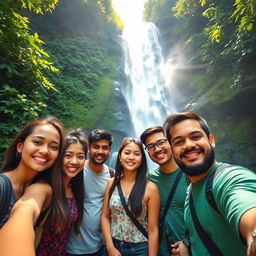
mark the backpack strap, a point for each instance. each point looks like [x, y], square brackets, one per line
[111, 172]
[208, 188]
[211, 247]
[169, 200]
[128, 212]
[5, 195]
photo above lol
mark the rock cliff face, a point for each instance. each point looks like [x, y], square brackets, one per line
[230, 112]
[231, 115]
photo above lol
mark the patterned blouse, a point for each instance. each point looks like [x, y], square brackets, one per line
[122, 228]
[54, 244]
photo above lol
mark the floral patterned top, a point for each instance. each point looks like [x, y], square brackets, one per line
[122, 228]
[54, 244]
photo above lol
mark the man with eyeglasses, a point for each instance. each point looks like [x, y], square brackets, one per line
[172, 227]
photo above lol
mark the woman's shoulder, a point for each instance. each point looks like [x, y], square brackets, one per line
[151, 188]
[109, 184]
[40, 185]
[151, 185]
[39, 190]
[110, 181]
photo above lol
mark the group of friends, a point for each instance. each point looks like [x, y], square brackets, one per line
[54, 200]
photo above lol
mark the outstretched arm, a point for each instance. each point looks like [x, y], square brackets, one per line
[17, 235]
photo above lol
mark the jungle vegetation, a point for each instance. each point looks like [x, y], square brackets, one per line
[56, 58]
[212, 46]
[59, 57]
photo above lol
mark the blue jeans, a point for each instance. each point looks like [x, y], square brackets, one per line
[100, 252]
[131, 249]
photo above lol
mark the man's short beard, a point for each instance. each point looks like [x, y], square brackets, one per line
[97, 163]
[196, 170]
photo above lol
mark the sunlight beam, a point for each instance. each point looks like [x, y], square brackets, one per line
[130, 11]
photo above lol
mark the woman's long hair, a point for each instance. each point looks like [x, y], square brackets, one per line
[12, 156]
[59, 210]
[138, 190]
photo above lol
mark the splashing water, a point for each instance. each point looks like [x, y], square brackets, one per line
[147, 96]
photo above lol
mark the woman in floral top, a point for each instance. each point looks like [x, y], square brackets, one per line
[122, 237]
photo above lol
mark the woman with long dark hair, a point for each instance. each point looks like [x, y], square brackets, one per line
[66, 206]
[68, 194]
[30, 157]
[121, 235]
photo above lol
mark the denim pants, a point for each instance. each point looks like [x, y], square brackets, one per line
[100, 252]
[131, 249]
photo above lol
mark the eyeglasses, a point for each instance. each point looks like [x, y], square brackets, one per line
[152, 146]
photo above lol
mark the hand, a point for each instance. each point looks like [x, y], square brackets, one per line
[179, 249]
[252, 247]
[175, 249]
[112, 251]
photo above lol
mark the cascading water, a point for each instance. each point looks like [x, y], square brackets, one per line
[147, 96]
[143, 100]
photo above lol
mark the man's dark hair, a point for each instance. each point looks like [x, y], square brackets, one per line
[149, 131]
[100, 134]
[173, 119]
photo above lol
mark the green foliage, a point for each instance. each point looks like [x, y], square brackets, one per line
[79, 37]
[103, 105]
[84, 49]
[227, 20]
[213, 43]
[84, 81]
[112, 16]
[184, 8]
[154, 9]
[21, 53]
[229, 36]
[239, 131]
[16, 110]
[22, 65]
[245, 14]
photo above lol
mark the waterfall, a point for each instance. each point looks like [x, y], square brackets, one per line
[142, 99]
[146, 93]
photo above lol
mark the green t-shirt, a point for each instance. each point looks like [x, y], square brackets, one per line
[174, 219]
[234, 190]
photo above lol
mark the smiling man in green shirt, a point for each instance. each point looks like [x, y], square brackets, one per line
[232, 230]
[164, 176]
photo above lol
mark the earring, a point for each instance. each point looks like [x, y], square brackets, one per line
[18, 154]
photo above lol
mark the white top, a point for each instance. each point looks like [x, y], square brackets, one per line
[91, 238]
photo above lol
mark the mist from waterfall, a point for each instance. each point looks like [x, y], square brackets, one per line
[146, 93]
